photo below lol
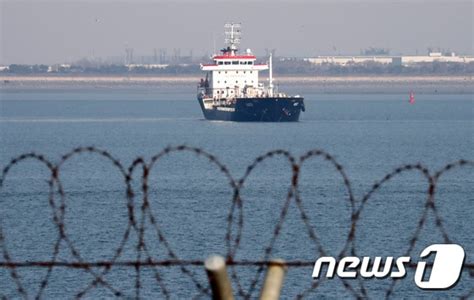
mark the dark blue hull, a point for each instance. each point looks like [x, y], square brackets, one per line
[272, 109]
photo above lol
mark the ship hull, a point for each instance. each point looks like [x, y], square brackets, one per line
[270, 109]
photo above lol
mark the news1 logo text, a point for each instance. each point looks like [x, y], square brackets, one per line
[445, 272]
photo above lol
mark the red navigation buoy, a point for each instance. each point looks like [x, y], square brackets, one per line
[412, 98]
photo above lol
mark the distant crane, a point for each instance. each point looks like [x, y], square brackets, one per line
[176, 55]
[128, 56]
[155, 56]
[163, 58]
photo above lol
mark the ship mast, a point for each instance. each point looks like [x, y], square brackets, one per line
[270, 75]
[232, 37]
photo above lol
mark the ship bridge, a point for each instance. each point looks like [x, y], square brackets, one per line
[234, 62]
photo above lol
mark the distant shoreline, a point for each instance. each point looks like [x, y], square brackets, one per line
[323, 84]
[187, 78]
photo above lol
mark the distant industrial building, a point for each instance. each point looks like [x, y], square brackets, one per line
[405, 60]
[58, 67]
[432, 57]
[146, 66]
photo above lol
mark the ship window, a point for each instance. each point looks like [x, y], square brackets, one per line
[235, 62]
[244, 72]
[220, 63]
[226, 72]
[250, 72]
[250, 62]
[236, 72]
[225, 81]
[218, 81]
[236, 81]
[227, 62]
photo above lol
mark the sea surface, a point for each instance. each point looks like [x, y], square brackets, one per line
[369, 135]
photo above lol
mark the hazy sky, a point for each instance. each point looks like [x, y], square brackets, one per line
[60, 31]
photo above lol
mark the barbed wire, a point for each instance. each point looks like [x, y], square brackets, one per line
[235, 217]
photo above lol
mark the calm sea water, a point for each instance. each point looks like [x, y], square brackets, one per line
[369, 135]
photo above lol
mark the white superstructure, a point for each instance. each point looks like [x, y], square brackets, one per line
[232, 75]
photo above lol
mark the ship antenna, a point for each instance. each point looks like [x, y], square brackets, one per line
[213, 43]
[232, 36]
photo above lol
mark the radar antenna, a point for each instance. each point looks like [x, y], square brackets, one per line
[232, 36]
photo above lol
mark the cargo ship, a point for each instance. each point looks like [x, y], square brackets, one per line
[231, 90]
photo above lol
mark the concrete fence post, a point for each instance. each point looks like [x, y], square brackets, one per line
[273, 280]
[218, 279]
